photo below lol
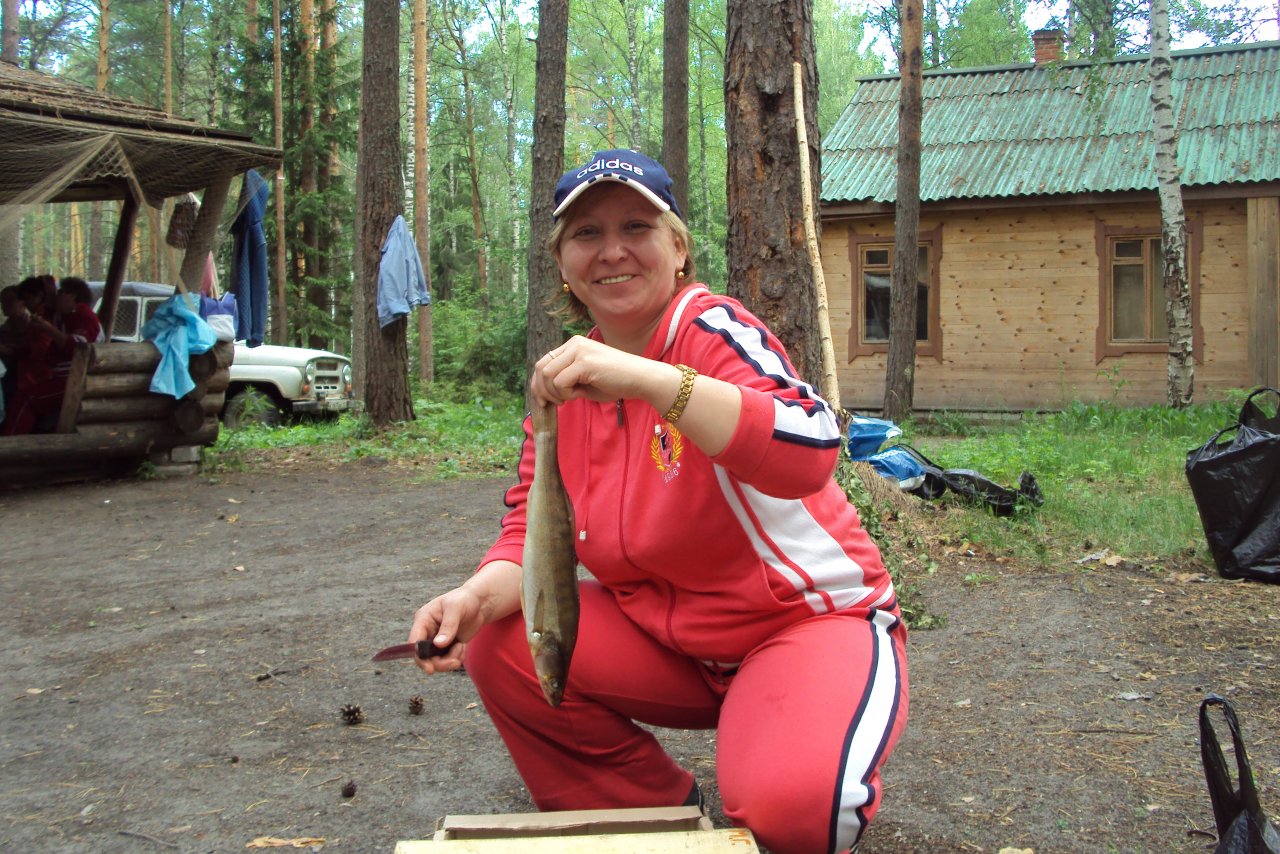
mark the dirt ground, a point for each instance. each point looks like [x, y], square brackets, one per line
[176, 654]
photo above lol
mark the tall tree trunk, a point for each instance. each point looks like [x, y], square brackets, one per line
[382, 353]
[768, 264]
[1173, 220]
[95, 266]
[509, 104]
[9, 30]
[304, 261]
[899, 381]
[675, 98]
[11, 239]
[280, 315]
[545, 330]
[327, 170]
[473, 165]
[704, 181]
[422, 178]
[168, 58]
[634, 139]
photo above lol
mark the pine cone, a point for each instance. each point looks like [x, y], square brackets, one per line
[349, 790]
[352, 714]
[416, 704]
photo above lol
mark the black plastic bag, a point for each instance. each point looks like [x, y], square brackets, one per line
[1242, 826]
[1236, 486]
[976, 487]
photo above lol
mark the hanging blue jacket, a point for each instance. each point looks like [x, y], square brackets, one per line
[401, 280]
[249, 263]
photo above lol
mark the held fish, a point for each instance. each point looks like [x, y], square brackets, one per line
[549, 581]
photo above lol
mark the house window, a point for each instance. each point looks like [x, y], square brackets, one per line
[1131, 304]
[872, 262]
[1137, 290]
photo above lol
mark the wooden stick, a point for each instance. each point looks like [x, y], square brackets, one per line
[830, 386]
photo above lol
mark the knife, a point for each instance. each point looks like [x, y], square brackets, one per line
[421, 649]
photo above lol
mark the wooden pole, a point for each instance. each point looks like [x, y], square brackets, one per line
[118, 264]
[830, 386]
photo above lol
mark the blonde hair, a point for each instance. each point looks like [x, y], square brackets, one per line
[568, 305]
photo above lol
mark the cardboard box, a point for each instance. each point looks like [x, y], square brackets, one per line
[634, 831]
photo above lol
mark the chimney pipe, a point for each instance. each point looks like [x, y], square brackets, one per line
[1048, 45]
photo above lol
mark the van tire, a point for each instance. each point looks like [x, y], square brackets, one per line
[251, 406]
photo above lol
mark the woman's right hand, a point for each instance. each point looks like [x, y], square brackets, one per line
[453, 618]
[449, 620]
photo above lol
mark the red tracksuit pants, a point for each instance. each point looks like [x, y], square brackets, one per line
[803, 726]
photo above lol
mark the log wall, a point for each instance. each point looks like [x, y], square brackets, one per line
[110, 414]
[1020, 310]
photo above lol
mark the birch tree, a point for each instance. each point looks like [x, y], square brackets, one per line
[422, 175]
[1173, 220]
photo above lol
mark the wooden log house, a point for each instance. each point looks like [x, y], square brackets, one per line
[1040, 277]
[60, 142]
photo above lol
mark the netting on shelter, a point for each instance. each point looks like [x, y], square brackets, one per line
[61, 143]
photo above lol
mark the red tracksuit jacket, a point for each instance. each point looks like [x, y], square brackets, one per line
[712, 555]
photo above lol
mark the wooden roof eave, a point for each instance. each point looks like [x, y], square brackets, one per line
[868, 209]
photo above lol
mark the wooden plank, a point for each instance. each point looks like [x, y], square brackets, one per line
[1263, 275]
[730, 841]
[572, 822]
[75, 389]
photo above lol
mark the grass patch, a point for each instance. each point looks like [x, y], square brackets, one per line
[1112, 477]
[447, 438]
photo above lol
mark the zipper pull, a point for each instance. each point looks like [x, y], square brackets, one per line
[619, 412]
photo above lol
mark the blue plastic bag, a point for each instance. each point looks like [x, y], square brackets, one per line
[897, 463]
[868, 435]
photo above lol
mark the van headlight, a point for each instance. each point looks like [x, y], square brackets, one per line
[346, 377]
[310, 373]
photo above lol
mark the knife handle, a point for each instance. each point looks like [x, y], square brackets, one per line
[428, 649]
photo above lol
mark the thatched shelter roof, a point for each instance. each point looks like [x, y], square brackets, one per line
[60, 141]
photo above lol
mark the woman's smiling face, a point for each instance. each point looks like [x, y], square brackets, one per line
[620, 259]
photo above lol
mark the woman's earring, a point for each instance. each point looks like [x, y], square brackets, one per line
[564, 287]
[679, 274]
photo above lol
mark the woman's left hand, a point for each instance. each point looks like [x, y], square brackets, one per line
[581, 367]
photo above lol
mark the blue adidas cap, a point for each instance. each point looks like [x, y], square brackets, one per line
[643, 174]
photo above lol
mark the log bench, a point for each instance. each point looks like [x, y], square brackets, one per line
[110, 419]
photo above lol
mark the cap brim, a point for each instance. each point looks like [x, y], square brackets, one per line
[617, 179]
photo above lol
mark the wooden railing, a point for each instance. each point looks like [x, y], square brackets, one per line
[110, 413]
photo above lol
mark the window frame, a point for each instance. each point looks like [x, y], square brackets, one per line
[930, 240]
[1105, 235]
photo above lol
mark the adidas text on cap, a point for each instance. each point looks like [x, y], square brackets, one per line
[643, 174]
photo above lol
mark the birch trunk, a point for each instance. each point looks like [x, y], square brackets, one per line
[1173, 220]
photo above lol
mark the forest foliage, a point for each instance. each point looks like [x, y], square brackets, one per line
[481, 73]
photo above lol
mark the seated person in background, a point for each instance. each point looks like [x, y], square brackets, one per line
[46, 362]
[13, 333]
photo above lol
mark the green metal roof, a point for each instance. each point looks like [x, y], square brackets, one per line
[1029, 130]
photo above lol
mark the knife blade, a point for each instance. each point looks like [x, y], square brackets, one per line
[421, 649]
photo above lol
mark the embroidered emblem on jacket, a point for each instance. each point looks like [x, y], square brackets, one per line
[665, 449]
